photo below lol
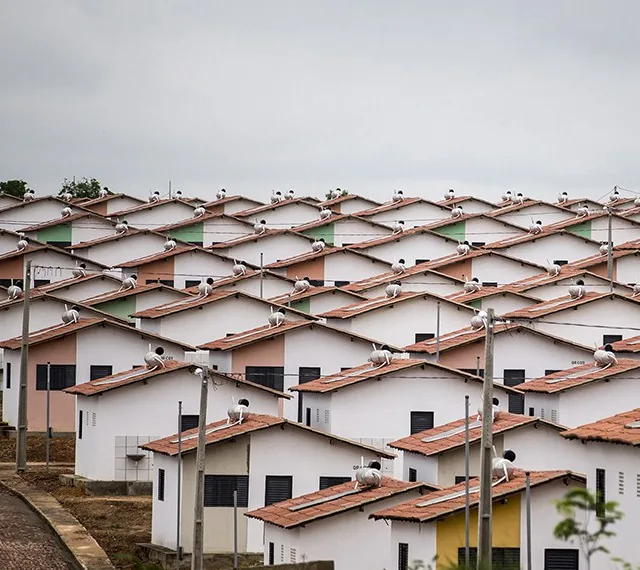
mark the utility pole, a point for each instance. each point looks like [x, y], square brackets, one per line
[47, 441]
[179, 495]
[484, 510]
[21, 442]
[438, 332]
[466, 483]
[197, 558]
[261, 275]
[610, 250]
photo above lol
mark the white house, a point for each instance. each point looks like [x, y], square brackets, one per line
[317, 299]
[207, 229]
[42, 209]
[333, 524]
[66, 229]
[264, 284]
[112, 203]
[501, 299]
[349, 204]
[229, 205]
[434, 524]
[596, 226]
[155, 214]
[610, 451]
[522, 214]
[119, 412]
[255, 457]
[470, 204]
[418, 210]
[561, 396]
[285, 214]
[437, 455]
[79, 288]
[477, 229]
[342, 230]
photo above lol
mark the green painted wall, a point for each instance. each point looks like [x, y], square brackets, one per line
[454, 231]
[582, 230]
[61, 232]
[191, 234]
[303, 305]
[120, 307]
[476, 303]
[326, 232]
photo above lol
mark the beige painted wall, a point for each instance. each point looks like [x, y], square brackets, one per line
[313, 269]
[266, 353]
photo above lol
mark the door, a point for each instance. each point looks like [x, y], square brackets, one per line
[516, 401]
[305, 374]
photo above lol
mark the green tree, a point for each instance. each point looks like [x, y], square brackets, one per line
[82, 188]
[586, 519]
[329, 194]
[15, 188]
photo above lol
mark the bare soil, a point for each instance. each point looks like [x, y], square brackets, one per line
[62, 449]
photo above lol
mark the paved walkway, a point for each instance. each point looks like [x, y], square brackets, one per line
[26, 542]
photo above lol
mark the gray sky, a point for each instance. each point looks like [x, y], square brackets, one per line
[369, 95]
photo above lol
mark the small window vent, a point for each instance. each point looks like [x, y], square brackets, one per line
[620, 483]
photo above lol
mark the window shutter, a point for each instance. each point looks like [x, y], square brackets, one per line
[41, 377]
[161, 475]
[516, 401]
[413, 474]
[269, 376]
[7, 383]
[305, 374]
[403, 556]
[421, 421]
[600, 491]
[218, 490]
[331, 481]
[100, 371]
[271, 556]
[277, 488]
[561, 559]
[190, 421]
[79, 424]
[421, 337]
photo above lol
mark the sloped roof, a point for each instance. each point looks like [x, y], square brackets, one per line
[390, 206]
[452, 499]
[327, 250]
[452, 436]
[278, 205]
[184, 304]
[110, 197]
[71, 218]
[562, 303]
[269, 232]
[206, 217]
[627, 345]
[546, 232]
[398, 237]
[312, 292]
[229, 199]
[112, 237]
[622, 428]
[149, 206]
[139, 289]
[252, 423]
[63, 283]
[281, 515]
[178, 250]
[346, 198]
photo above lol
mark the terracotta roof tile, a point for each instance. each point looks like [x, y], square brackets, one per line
[452, 499]
[178, 250]
[451, 436]
[55, 285]
[229, 199]
[148, 206]
[280, 514]
[373, 242]
[110, 197]
[109, 238]
[627, 345]
[578, 376]
[389, 206]
[388, 277]
[267, 207]
[346, 198]
[218, 432]
[312, 292]
[184, 304]
[58, 221]
[562, 303]
[546, 232]
[253, 335]
[117, 294]
[462, 199]
[15, 253]
[207, 216]
[464, 297]
[622, 428]
[598, 258]
[307, 256]
[248, 238]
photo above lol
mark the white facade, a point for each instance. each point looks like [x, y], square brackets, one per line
[427, 281]
[119, 420]
[161, 214]
[497, 269]
[628, 269]
[560, 288]
[413, 214]
[37, 212]
[77, 290]
[83, 229]
[272, 248]
[552, 247]
[49, 266]
[546, 213]
[285, 216]
[124, 249]
[348, 266]
[413, 248]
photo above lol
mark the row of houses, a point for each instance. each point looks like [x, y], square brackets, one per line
[347, 332]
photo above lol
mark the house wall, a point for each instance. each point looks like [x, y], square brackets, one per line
[560, 288]
[10, 395]
[55, 266]
[272, 247]
[159, 215]
[313, 456]
[621, 230]
[421, 539]
[493, 268]
[313, 269]
[353, 206]
[269, 352]
[485, 229]
[43, 313]
[426, 467]
[328, 301]
[501, 303]
[32, 214]
[12, 268]
[546, 406]
[162, 269]
[427, 282]
[547, 214]
[347, 266]
[355, 231]
[80, 290]
[198, 264]
[127, 247]
[552, 247]
[628, 269]
[215, 230]
[416, 214]
[412, 248]
[287, 215]
[272, 286]
[87, 229]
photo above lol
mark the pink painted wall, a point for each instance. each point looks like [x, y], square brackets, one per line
[457, 269]
[12, 268]
[265, 353]
[63, 406]
[313, 269]
[464, 356]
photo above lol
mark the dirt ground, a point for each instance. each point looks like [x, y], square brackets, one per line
[62, 449]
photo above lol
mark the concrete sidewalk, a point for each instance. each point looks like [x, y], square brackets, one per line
[84, 548]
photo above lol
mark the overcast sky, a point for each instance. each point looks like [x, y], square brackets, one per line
[367, 95]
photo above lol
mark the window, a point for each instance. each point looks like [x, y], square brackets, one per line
[316, 282]
[620, 483]
[547, 372]
[100, 371]
[474, 371]
[600, 491]
[218, 490]
[327, 416]
[561, 559]
[516, 401]
[560, 261]
[7, 382]
[341, 283]
[611, 338]
[161, 476]
[421, 421]
[191, 283]
[418, 261]
[532, 412]
[307, 417]
[403, 556]
[421, 337]
[269, 376]
[413, 474]
[79, 424]
[41, 282]
[478, 243]
[305, 374]
[168, 282]
[292, 555]
[271, 556]
[638, 485]
[277, 488]
[61, 376]
[331, 481]
[503, 558]
[189, 421]
[489, 283]
[60, 244]
[554, 416]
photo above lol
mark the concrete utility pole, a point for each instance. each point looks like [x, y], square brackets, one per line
[486, 451]
[610, 250]
[197, 558]
[21, 442]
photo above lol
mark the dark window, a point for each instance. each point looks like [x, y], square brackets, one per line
[532, 412]
[199, 243]
[7, 382]
[41, 282]
[418, 261]
[547, 372]
[277, 488]
[331, 481]
[421, 337]
[560, 261]
[167, 282]
[502, 558]
[489, 283]
[100, 371]
[6, 282]
[421, 421]
[218, 490]
[189, 421]
[611, 338]
[160, 484]
[516, 401]
[561, 559]
[413, 474]
[269, 376]
[60, 244]
[191, 283]
[305, 374]
[271, 557]
[403, 556]
[79, 424]
[341, 283]
[473, 371]
[601, 497]
[307, 417]
[62, 376]
[316, 282]
[478, 243]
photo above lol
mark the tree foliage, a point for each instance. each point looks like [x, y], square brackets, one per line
[15, 188]
[587, 520]
[83, 188]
